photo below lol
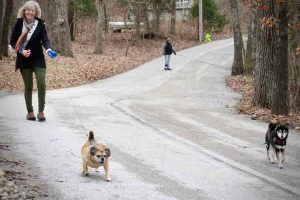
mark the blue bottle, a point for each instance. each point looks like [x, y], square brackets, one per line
[52, 54]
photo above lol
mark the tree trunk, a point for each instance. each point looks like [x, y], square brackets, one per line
[237, 67]
[106, 20]
[137, 22]
[254, 35]
[145, 14]
[173, 18]
[55, 14]
[279, 75]
[156, 15]
[71, 19]
[99, 28]
[294, 60]
[1, 19]
[5, 29]
[264, 62]
[248, 58]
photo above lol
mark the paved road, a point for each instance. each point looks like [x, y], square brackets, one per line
[173, 135]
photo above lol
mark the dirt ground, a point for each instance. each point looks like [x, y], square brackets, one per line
[244, 86]
[20, 179]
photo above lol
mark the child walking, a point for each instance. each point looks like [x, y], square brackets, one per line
[168, 50]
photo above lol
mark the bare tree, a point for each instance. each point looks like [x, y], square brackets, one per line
[1, 19]
[106, 16]
[139, 9]
[279, 75]
[71, 18]
[254, 30]
[173, 17]
[294, 59]
[137, 13]
[139, 6]
[99, 27]
[249, 65]
[6, 21]
[237, 67]
[271, 69]
[156, 16]
[250, 57]
[55, 14]
[264, 61]
[145, 16]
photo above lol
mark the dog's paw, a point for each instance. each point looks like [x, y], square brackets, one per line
[84, 173]
[108, 179]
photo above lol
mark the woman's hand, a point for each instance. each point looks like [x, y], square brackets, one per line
[48, 51]
[51, 53]
[26, 53]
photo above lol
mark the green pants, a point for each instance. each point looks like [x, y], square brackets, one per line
[27, 75]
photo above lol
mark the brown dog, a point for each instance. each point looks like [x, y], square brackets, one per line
[95, 155]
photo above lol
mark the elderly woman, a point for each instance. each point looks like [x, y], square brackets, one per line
[28, 37]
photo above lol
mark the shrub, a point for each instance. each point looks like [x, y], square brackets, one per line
[212, 19]
[83, 7]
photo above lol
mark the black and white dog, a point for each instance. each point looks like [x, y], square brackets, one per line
[276, 138]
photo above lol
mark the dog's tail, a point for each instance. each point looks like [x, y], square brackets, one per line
[91, 136]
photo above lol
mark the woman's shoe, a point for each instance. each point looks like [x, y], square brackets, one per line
[41, 117]
[30, 116]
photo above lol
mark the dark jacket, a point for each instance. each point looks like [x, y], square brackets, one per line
[168, 50]
[38, 39]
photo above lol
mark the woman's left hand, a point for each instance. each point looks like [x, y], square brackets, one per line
[48, 51]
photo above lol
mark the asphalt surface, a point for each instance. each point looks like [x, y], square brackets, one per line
[172, 134]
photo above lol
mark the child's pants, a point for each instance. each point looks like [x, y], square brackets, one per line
[167, 60]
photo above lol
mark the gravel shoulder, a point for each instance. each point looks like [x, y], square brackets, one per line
[19, 176]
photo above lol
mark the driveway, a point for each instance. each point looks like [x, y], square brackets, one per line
[172, 134]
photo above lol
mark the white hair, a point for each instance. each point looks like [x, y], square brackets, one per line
[32, 5]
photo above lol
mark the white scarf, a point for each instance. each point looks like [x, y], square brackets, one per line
[30, 27]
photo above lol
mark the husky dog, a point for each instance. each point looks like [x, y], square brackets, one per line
[276, 138]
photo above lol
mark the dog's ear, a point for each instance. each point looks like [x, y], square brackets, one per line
[107, 151]
[93, 150]
[272, 126]
[286, 124]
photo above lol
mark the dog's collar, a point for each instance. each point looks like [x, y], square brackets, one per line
[278, 141]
